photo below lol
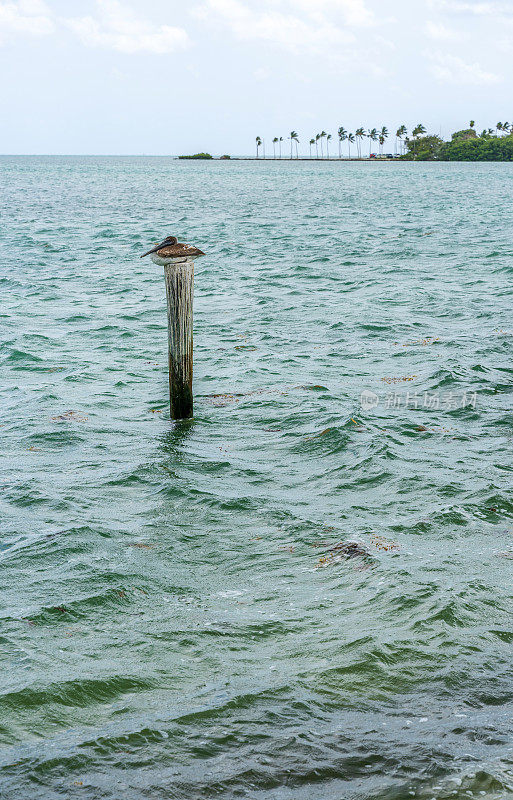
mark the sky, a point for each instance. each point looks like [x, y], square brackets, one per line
[181, 76]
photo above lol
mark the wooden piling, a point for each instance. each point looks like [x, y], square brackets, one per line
[178, 262]
[179, 279]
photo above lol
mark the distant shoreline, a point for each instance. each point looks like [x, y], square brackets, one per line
[303, 158]
[464, 145]
[378, 159]
[286, 160]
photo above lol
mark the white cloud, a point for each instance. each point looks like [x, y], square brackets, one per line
[387, 44]
[262, 74]
[478, 8]
[451, 69]
[287, 30]
[353, 12]
[441, 32]
[30, 17]
[117, 28]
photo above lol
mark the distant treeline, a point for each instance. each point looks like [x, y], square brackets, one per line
[465, 145]
[492, 144]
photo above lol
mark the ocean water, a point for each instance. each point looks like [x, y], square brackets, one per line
[181, 615]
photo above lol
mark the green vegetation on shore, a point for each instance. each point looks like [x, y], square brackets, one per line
[492, 144]
[199, 155]
[465, 145]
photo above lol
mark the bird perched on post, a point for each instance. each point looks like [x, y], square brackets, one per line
[171, 248]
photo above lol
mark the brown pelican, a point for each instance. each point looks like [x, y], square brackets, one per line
[170, 249]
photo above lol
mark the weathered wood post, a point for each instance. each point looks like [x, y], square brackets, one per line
[178, 262]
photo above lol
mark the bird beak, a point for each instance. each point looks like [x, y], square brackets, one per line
[153, 250]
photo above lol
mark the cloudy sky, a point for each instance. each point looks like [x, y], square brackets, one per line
[173, 76]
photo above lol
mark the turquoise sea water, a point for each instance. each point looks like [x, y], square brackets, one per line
[179, 618]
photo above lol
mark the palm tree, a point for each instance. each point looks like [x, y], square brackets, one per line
[342, 136]
[274, 146]
[294, 138]
[328, 138]
[384, 136]
[373, 137]
[323, 134]
[505, 127]
[258, 143]
[350, 141]
[317, 137]
[417, 131]
[471, 123]
[400, 132]
[312, 141]
[498, 127]
[279, 142]
[360, 133]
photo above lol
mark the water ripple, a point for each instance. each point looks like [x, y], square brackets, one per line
[292, 595]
